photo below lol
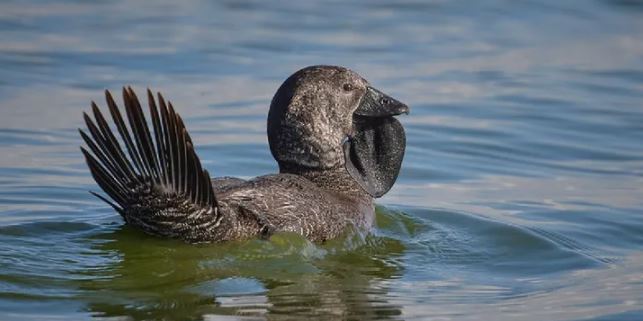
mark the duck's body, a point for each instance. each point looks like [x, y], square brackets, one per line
[289, 203]
[332, 161]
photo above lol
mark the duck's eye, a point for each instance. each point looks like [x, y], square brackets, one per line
[348, 87]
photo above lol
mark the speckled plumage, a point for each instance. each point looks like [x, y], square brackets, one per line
[333, 136]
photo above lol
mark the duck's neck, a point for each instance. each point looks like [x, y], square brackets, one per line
[335, 180]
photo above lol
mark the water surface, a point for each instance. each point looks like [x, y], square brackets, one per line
[520, 198]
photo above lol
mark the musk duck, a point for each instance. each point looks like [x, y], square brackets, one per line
[334, 137]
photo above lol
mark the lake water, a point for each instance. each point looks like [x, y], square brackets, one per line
[520, 197]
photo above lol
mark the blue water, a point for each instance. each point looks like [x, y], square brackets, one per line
[520, 197]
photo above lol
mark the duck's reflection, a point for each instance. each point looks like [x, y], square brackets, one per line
[285, 277]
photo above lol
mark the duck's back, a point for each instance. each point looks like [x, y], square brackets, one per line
[287, 202]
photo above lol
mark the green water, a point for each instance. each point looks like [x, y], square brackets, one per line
[520, 196]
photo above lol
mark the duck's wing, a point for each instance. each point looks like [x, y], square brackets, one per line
[156, 182]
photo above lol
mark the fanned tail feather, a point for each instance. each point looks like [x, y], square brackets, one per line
[156, 182]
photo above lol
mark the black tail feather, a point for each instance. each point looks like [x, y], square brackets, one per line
[114, 206]
[113, 146]
[159, 159]
[108, 183]
[158, 136]
[142, 136]
[122, 130]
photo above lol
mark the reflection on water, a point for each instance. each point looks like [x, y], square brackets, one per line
[288, 275]
[519, 197]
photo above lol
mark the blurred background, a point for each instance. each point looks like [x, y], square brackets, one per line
[520, 197]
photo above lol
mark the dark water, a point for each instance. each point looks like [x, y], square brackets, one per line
[521, 195]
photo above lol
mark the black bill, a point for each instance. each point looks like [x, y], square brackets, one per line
[378, 104]
[373, 156]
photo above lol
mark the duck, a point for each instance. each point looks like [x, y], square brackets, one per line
[335, 138]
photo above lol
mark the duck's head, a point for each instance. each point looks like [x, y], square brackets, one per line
[329, 118]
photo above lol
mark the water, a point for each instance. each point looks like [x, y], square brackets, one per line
[520, 198]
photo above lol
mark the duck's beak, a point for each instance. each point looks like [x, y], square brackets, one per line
[378, 104]
[373, 155]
